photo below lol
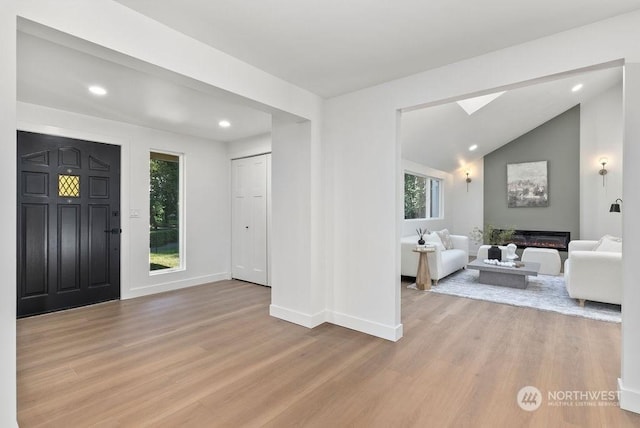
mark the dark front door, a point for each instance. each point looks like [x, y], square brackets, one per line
[68, 223]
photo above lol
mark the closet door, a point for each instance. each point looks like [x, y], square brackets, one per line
[249, 219]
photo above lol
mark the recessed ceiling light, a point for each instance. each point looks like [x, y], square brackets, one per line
[577, 87]
[97, 90]
[224, 124]
[472, 148]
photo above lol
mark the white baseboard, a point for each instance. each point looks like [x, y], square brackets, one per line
[296, 317]
[388, 332]
[629, 399]
[393, 333]
[173, 285]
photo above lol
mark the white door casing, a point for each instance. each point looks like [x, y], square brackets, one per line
[249, 219]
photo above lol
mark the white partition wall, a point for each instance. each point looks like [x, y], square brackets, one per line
[297, 289]
[630, 378]
[8, 216]
[362, 164]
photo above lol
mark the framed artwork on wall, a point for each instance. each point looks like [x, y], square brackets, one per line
[527, 185]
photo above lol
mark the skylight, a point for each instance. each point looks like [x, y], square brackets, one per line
[472, 105]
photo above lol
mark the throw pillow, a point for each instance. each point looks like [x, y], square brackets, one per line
[434, 239]
[445, 237]
[609, 244]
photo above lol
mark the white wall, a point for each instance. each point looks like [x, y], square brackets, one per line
[468, 202]
[629, 382]
[363, 176]
[600, 136]
[446, 221]
[206, 196]
[8, 416]
[297, 293]
[251, 146]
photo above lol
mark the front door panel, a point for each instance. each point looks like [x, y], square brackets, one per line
[68, 223]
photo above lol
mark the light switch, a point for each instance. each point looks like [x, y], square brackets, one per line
[134, 213]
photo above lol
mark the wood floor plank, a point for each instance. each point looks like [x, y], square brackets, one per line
[211, 356]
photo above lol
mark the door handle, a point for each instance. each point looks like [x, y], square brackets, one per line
[113, 231]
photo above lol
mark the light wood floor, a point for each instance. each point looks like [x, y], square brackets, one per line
[210, 356]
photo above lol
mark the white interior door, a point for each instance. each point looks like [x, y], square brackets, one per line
[249, 219]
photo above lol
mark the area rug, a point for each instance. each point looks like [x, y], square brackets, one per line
[544, 292]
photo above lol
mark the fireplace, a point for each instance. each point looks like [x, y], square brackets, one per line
[542, 239]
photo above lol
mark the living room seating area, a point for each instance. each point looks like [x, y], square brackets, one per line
[592, 270]
[446, 259]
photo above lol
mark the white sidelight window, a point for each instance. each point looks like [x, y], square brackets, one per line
[165, 213]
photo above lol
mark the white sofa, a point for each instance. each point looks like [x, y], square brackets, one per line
[441, 262]
[593, 275]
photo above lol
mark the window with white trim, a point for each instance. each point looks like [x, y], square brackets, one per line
[422, 196]
[165, 234]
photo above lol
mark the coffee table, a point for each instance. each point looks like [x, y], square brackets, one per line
[505, 276]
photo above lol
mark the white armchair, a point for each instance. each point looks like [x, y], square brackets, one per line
[441, 262]
[593, 275]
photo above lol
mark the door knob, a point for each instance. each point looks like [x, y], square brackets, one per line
[113, 231]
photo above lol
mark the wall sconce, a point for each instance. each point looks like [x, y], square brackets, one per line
[615, 207]
[603, 171]
[468, 180]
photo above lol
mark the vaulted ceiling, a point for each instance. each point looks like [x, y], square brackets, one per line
[509, 116]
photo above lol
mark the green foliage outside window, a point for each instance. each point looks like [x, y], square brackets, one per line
[164, 199]
[415, 196]
[164, 193]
